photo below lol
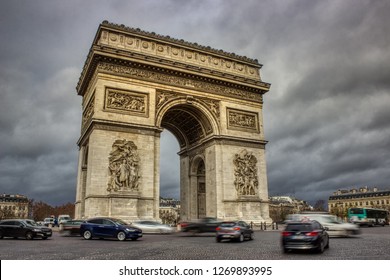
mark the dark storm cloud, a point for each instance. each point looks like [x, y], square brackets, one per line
[326, 116]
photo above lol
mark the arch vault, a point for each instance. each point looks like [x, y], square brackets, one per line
[135, 84]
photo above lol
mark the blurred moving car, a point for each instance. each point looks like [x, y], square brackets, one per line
[207, 224]
[109, 228]
[48, 222]
[28, 229]
[70, 228]
[305, 235]
[336, 227]
[63, 218]
[238, 230]
[152, 227]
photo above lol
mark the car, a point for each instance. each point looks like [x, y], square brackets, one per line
[305, 235]
[48, 222]
[152, 227]
[63, 218]
[28, 229]
[235, 230]
[102, 227]
[336, 227]
[207, 224]
[70, 228]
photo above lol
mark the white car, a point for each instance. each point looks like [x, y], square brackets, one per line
[152, 227]
[336, 227]
[63, 219]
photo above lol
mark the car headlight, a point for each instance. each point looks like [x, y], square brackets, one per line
[36, 230]
[130, 230]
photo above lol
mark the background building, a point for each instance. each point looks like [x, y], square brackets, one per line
[342, 200]
[14, 206]
[169, 211]
[281, 206]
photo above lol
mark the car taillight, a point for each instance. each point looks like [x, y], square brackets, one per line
[236, 228]
[286, 233]
[218, 228]
[183, 225]
[312, 233]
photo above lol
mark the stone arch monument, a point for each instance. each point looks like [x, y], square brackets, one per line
[135, 84]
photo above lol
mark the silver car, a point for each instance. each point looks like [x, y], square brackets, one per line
[336, 227]
[152, 227]
[235, 230]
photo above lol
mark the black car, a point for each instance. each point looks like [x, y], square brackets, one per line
[237, 230]
[306, 235]
[23, 228]
[207, 224]
[109, 228]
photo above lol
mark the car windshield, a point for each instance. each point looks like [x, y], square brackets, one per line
[299, 227]
[331, 220]
[230, 224]
[119, 222]
[31, 222]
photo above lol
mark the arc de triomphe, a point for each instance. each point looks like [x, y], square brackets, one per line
[135, 84]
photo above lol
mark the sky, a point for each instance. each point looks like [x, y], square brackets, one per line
[326, 116]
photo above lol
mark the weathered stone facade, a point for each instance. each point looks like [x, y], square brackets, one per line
[135, 84]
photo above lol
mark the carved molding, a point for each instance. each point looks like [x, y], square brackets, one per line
[126, 101]
[166, 50]
[88, 111]
[190, 82]
[164, 97]
[245, 172]
[242, 120]
[123, 167]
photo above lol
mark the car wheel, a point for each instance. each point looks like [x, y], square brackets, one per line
[87, 235]
[252, 236]
[121, 236]
[327, 245]
[320, 248]
[241, 238]
[1, 235]
[29, 235]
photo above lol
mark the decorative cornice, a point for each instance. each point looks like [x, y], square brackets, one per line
[134, 45]
[116, 126]
[224, 140]
[137, 31]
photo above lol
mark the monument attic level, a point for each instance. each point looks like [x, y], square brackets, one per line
[136, 83]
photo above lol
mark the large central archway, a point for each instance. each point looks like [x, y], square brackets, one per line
[134, 85]
[192, 124]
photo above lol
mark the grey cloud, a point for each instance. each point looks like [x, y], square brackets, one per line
[326, 117]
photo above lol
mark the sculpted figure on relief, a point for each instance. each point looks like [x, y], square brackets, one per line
[245, 171]
[123, 167]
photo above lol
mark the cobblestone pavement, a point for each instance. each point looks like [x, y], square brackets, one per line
[372, 244]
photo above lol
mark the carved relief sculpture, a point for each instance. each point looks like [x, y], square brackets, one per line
[245, 171]
[125, 101]
[123, 168]
[88, 111]
[242, 120]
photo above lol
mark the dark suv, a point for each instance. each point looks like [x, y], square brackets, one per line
[305, 235]
[23, 228]
[109, 228]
